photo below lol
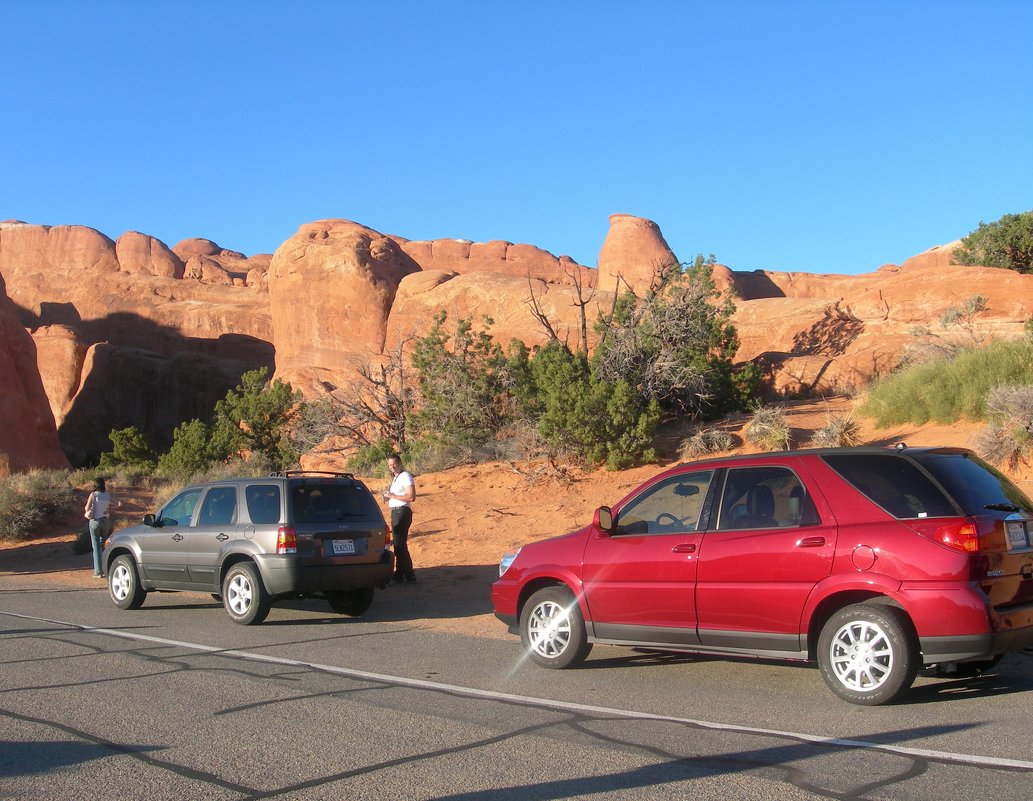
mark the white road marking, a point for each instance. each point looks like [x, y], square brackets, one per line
[526, 700]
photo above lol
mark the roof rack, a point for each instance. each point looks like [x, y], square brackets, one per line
[290, 473]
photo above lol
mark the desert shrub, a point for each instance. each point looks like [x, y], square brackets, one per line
[839, 431]
[29, 499]
[946, 390]
[958, 330]
[81, 544]
[256, 417]
[704, 442]
[1006, 243]
[370, 461]
[1008, 436]
[463, 381]
[192, 451]
[131, 450]
[768, 429]
[254, 464]
[675, 344]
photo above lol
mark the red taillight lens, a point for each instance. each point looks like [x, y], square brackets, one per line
[387, 536]
[286, 540]
[960, 534]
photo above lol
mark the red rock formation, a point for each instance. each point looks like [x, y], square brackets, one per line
[939, 256]
[506, 299]
[331, 287]
[634, 247]
[463, 256]
[72, 289]
[188, 248]
[28, 436]
[133, 332]
[141, 254]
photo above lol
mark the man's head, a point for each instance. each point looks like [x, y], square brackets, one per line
[394, 464]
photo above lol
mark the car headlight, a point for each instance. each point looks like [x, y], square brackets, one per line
[506, 561]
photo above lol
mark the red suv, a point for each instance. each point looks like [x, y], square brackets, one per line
[871, 561]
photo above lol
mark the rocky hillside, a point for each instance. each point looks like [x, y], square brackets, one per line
[101, 334]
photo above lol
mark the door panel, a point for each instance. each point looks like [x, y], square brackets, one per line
[164, 547]
[758, 567]
[638, 580]
[216, 525]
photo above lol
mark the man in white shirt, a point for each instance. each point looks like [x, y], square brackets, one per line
[399, 496]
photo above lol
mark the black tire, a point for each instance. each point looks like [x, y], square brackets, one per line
[351, 602]
[124, 583]
[244, 596]
[552, 629]
[868, 654]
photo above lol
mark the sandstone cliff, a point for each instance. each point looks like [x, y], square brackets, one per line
[132, 332]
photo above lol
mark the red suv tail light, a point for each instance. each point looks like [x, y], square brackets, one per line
[286, 540]
[958, 534]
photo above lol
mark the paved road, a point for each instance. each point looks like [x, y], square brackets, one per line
[174, 701]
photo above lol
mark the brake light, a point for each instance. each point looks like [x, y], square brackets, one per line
[959, 535]
[387, 536]
[286, 540]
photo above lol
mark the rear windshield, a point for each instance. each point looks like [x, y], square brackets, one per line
[975, 485]
[892, 482]
[326, 502]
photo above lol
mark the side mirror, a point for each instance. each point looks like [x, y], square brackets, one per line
[603, 519]
[148, 520]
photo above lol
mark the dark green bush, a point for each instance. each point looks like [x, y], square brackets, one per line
[1007, 243]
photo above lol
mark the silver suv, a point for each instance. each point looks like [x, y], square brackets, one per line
[252, 541]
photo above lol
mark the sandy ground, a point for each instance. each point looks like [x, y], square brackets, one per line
[467, 517]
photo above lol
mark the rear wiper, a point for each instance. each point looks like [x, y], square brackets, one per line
[1003, 507]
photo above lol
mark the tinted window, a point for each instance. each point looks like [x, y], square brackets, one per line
[765, 497]
[219, 507]
[894, 483]
[180, 509]
[263, 503]
[328, 502]
[974, 484]
[672, 505]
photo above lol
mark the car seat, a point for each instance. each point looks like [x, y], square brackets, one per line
[760, 508]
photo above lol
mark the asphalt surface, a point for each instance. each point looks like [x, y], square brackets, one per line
[174, 701]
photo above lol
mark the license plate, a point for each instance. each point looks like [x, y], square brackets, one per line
[342, 546]
[1017, 535]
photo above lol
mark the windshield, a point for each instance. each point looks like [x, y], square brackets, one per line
[975, 485]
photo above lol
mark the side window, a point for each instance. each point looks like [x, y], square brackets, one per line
[219, 507]
[263, 503]
[180, 509]
[673, 505]
[765, 497]
[893, 483]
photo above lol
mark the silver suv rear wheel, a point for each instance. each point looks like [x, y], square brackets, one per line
[244, 595]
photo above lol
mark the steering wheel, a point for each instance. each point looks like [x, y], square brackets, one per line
[667, 519]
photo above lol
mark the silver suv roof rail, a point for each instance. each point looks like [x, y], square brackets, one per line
[291, 473]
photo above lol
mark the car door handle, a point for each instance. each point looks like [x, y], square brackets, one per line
[685, 547]
[222, 537]
[810, 542]
[177, 537]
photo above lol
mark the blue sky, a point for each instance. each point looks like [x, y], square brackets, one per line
[816, 136]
